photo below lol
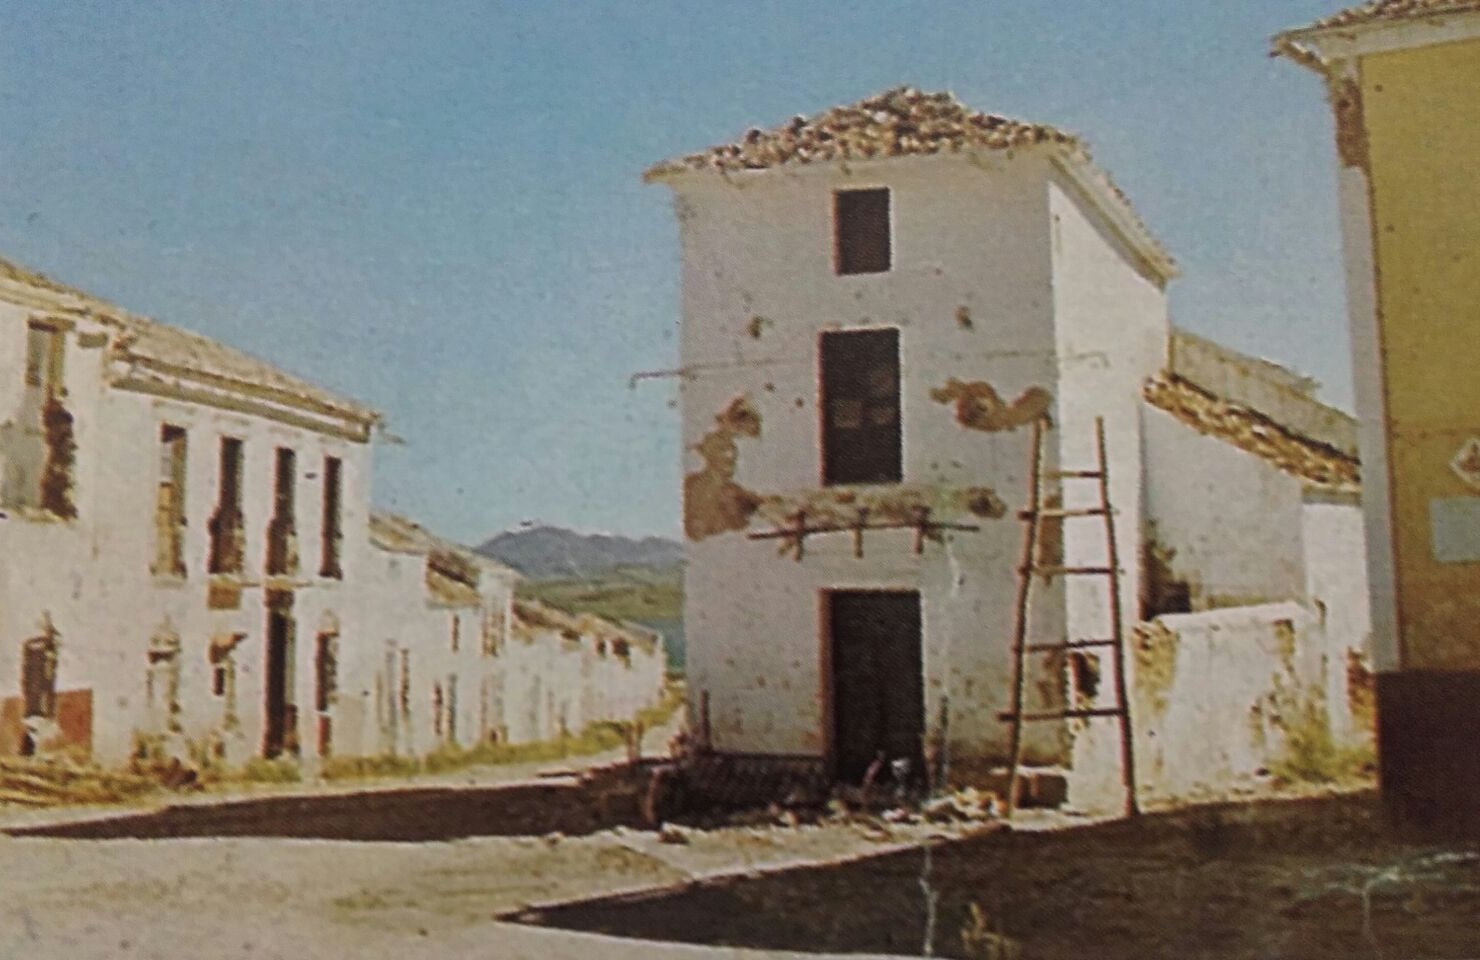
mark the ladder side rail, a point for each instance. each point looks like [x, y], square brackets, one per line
[1127, 744]
[1020, 618]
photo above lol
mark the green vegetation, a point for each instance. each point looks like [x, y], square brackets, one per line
[258, 770]
[1312, 755]
[638, 594]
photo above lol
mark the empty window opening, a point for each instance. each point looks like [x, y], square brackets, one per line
[861, 440]
[282, 539]
[169, 508]
[45, 357]
[332, 531]
[162, 682]
[280, 713]
[222, 657]
[456, 632]
[40, 437]
[326, 687]
[861, 231]
[39, 675]
[226, 528]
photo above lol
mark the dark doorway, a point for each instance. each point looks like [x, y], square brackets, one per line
[279, 733]
[878, 688]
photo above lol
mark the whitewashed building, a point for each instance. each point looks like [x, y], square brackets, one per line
[878, 302]
[189, 566]
[184, 529]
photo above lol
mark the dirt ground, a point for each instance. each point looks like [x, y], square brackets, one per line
[1317, 878]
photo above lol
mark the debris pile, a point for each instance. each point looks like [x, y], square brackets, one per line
[1253, 432]
[58, 782]
[898, 122]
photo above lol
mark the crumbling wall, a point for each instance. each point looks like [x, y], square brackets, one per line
[1229, 701]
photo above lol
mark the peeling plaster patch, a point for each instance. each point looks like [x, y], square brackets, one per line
[890, 504]
[758, 325]
[1360, 692]
[980, 407]
[1086, 671]
[1345, 98]
[963, 317]
[713, 502]
[1161, 590]
[1156, 666]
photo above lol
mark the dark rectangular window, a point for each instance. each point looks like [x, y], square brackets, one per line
[861, 231]
[331, 531]
[226, 523]
[282, 544]
[860, 407]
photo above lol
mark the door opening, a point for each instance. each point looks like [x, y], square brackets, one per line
[878, 687]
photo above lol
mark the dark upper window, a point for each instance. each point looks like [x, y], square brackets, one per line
[861, 231]
[860, 407]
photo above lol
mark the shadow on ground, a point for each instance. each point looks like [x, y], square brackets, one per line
[1313, 878]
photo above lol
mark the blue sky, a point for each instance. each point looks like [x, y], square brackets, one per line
[437, 207]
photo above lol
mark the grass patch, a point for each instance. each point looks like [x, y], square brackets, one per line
[595, 738]
[1312, 755]
[260, 770]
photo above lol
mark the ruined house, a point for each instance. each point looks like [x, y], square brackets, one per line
[183, 529]
[878, 303]
[456, 659]
[191, 568]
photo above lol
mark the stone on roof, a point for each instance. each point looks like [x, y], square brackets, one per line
[909, 122]
[170, 349]
[1381, 10]
[1252, 431]
[899, 122]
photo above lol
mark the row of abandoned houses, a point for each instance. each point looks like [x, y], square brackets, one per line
[880, 304]
[192, 568]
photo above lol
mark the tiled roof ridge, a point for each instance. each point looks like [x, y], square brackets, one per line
[1253, 432]
[1380, 10]
[902, 121]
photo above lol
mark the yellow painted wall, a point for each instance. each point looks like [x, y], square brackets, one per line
[1421, 111]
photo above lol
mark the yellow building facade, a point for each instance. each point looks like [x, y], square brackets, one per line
[1403, 79]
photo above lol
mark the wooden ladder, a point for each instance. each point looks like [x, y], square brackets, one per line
[1035, 515]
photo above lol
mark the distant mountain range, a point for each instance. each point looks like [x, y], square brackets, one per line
[614, 577]
[554, 553]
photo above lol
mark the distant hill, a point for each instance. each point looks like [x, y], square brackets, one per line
[547, 553]
[619, 578]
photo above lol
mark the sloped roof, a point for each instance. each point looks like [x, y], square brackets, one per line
[1392, 10]
[400, 534]
[899, 122]
[168, 348]
[1253, 432]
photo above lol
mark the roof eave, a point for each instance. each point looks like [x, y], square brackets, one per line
[1094, 182]
[1318, 47]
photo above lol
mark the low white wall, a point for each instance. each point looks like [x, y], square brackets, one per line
[1221, 699]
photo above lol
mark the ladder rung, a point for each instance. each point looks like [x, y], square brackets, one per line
[1056, 512]
[1071, 571]
[1062, 714]
[1070, 645]
[1077, 474]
